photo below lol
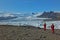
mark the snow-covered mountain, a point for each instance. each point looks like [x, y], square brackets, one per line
[6, 16]
[20, 16]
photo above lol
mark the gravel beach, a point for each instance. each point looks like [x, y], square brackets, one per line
[9, 32]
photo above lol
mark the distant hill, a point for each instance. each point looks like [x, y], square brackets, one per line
[7, 16]
[51, 14]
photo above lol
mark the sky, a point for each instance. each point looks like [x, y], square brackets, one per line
[29, 5]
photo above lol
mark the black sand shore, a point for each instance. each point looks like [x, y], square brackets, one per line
[9, 32]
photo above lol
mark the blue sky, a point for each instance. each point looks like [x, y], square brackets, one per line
[29, 5]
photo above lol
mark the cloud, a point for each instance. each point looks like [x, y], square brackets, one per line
[18, 13]
[1, 11]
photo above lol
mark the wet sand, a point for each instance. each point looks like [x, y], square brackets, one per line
[9, 32]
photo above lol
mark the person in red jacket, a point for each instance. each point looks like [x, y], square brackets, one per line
[44, 26]
[52, 28]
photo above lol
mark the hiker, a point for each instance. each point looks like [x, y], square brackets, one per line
[44, 26]
[52, 28]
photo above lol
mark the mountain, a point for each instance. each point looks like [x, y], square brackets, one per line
[7, 16]
[51, 14]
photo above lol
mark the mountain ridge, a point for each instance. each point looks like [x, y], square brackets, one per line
[51, 14]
